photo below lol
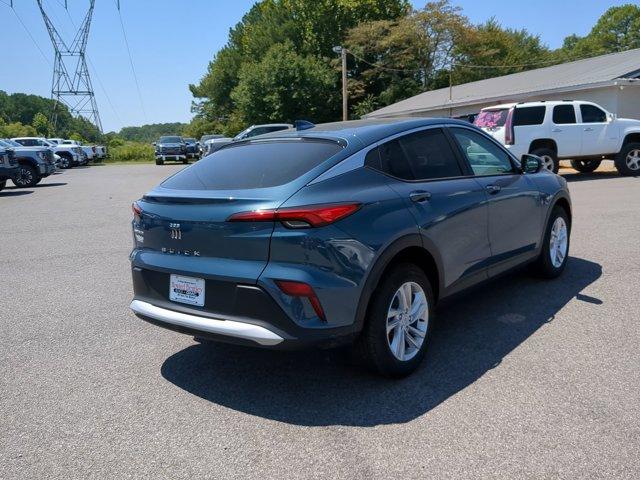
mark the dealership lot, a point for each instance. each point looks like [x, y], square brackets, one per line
[523, 378]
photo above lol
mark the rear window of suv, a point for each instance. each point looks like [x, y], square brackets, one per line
[491, 118]
[528, 116]
[254, 165]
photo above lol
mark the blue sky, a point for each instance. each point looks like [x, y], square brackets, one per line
[173, 41]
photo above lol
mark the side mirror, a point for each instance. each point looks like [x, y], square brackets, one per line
[531, 163]
[154, 144]
[611, 116]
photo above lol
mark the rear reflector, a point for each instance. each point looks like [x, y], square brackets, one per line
[304, 290]
[300, 217]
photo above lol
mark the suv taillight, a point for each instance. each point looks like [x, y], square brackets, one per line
[300, 217]
[137, 211]
[509, 135]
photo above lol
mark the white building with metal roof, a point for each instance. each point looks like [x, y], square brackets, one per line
[612, 81]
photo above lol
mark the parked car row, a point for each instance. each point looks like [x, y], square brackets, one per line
[35, 158]
[580, 131]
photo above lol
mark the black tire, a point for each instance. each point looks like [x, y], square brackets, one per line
[585, 166]
[3, 183]
[159, 161]
[625, 166]
[27, 177]
[543, 266]
[547, 153]
[373, 344]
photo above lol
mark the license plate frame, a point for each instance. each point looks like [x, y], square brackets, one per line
[187, 290]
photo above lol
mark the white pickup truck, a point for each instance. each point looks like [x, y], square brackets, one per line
[582, 132]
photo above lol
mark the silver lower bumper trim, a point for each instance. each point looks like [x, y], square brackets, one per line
[229, 328]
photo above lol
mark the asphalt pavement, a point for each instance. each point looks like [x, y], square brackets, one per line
[524, 378]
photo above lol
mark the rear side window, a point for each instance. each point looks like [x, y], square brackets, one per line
[491, 118]
[430, 155]
[563, 114]
[591, 114]
[254, 165]
[422, 155]
[394, 162]
[528, 116]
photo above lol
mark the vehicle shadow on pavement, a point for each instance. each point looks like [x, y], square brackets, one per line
[319, 388]
[10, 192]
[583, 177]
[55, 184]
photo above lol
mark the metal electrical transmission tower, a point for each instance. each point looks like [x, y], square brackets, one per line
[71, 82]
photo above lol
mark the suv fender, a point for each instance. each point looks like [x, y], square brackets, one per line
[385, 259]
[27, 161]
[564, 201]
[631, 136]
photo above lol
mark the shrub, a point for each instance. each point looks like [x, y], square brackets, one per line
[131, 152]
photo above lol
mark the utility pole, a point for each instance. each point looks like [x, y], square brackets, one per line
[345, 99]
[450, 88]
[71, 85]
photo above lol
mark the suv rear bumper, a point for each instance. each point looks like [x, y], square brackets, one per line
[235, 313]
[195, 323]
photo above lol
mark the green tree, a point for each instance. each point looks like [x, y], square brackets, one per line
[399, 58]
[618, 29]
[285, 86]
[23, 109]
[41, 124]
[489, 44]
[151, 132]
[16, 129]
[310, 27]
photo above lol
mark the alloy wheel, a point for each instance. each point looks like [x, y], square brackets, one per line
[547, 162]
[407, 321]
[25, 177]
[558, 242]
[633, 159]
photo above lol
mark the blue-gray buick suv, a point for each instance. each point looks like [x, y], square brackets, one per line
[341, 233]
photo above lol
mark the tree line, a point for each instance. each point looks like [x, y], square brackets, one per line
[279, 65]
[23, 115]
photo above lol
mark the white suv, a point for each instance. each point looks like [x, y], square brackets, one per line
[581, 131]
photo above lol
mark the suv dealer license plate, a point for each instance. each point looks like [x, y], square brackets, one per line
[187, 290]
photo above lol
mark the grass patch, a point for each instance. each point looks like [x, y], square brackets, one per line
[131, 152]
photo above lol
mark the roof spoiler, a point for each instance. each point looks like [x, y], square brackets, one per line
[303, 125]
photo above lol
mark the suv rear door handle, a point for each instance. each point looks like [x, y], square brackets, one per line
[419, 196]
[493, 189]
[588, 129]
[556, 130]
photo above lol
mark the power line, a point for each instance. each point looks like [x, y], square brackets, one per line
[28, 33]
[133, 69]
[466, 65]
